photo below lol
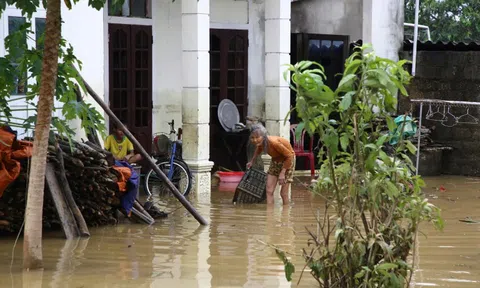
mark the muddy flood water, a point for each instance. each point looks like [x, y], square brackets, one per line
[231, 251]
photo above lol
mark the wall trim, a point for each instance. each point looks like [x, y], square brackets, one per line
[229, 26]
[105, 63]
[130, 20]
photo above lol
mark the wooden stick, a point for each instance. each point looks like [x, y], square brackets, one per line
[144, 153]
[82, 225]
[140, 208]
[141, 216]
[65, 214]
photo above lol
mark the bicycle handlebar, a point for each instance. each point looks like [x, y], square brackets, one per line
[172, 127]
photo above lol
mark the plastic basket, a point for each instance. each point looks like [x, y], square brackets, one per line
[252, 188]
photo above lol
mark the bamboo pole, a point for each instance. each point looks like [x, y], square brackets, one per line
[144, 153]
[67, 192]
[69, 224]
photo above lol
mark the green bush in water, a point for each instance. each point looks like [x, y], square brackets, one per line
[373, 204]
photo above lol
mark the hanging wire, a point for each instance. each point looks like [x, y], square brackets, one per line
[437, 115]
[438, 102]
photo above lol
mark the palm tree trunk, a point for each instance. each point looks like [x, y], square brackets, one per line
[32, 243]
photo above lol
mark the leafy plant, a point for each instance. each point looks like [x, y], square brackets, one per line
[448, 20]
[373, 203]
[22, 64]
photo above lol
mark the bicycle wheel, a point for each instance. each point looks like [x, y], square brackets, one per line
[181, 178]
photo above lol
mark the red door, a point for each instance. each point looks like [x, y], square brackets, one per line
[130, 78]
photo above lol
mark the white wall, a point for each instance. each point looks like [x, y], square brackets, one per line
[339, 17]
[167, 78]
[383, 26]
[229, 11]
[84, 30]
[379, 22]
[86, 37]
[167, 82]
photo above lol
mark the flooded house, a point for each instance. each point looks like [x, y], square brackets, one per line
[155, 61]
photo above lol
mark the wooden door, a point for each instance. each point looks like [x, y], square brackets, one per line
[228, 80]
[130, 78]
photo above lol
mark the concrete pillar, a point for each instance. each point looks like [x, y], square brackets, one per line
[383, 26]
[277, 53]
[195, 92]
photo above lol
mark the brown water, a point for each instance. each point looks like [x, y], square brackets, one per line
[176, 252]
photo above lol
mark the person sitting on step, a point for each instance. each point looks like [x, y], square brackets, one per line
[121, 147]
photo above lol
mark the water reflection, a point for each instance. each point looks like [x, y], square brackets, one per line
[230, 252]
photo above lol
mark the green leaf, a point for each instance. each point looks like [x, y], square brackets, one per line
[386, 266]
[304, 65]
[370, 162]
[346, 83]
[289, 267]
[331, 141]
[68, 4]
[392, 189]
[352, 67]
[373, 83]
[27, 7]
[385, 158]
[360, 274]
[407, 159]
[289, 270]
[310, 127]
[298, 130]
[344, 140]
[346, 101]
[381, 140]
[390, 123]
[411, 148]
[394, 281]
[371, 146]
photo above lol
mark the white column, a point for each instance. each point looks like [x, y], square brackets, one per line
[277, 53]
[383, 26]
[195, 93]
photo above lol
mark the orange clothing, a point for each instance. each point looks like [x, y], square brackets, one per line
[279, 149]
[125, 174]
[11, 150]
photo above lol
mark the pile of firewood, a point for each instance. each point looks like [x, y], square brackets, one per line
[13, 202]
[93, 184]
[91, 180]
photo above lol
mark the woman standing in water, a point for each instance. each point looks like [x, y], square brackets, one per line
[283, 160]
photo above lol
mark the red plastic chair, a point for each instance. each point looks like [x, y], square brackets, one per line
[300, 151]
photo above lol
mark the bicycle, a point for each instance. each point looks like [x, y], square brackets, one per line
[168, 153]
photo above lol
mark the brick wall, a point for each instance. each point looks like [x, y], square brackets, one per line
[450, 75]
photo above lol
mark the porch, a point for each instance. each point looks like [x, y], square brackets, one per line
[187, 56]
[200, 53]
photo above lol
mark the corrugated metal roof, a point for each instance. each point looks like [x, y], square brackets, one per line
[441, 46]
